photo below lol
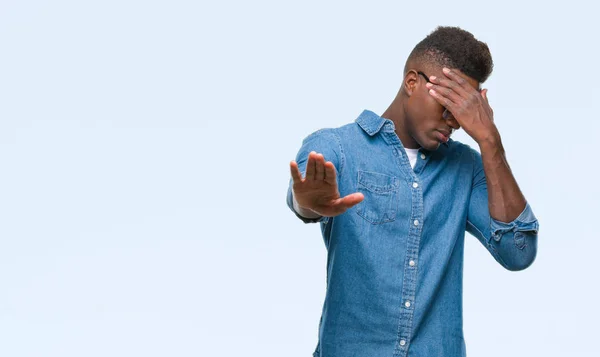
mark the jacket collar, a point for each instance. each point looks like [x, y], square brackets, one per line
[372, 123]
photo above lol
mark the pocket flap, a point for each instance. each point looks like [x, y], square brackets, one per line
[376, 182]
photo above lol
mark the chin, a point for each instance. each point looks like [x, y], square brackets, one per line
[433, 147]
[430, 145]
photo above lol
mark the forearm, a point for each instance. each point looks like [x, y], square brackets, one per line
[505, 199]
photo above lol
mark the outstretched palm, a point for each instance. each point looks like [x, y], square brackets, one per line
[318, 190]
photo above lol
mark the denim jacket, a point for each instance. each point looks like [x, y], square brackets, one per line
[395, 260]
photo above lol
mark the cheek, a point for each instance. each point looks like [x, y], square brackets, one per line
[435, 112]
[426, 112]
[432, 113]
[434, 106]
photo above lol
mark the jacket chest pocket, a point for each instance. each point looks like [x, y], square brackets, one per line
[381, 197]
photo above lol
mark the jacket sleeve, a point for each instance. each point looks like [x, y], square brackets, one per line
[326, 142]
[512, 244]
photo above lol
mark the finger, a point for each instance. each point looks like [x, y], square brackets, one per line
[450, 84]
[457, 76]
[320, 168]
[330, 173]
[310, 166]
[446, 102]
[446, 93]
[295, 171]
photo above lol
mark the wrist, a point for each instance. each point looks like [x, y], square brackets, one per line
[492, 140]
[303, 211]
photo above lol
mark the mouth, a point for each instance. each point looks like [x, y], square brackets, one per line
[443, 136]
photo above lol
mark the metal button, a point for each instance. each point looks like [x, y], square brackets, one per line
[415, 185]
[416, 222]
[402, 342]
[423, 156]
[411, 263]
[407, 304]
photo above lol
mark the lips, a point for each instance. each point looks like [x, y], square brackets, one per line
[443, 135]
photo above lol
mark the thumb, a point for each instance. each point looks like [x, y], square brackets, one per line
[351, 200]
[484, 94]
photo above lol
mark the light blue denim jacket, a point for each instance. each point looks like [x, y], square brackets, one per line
[395, 260]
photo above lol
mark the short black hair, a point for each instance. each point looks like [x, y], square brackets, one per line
[455, 48]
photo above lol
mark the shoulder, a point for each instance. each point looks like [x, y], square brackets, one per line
[465, 151]
[323, 140]
[338, 136]
[323, 134]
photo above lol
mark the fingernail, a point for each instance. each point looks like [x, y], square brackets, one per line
[428, 85]
[432, 78]
[446, 70]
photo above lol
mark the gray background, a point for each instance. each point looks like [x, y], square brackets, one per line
[144, 152]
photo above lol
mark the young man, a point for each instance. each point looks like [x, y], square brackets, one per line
[394, 196]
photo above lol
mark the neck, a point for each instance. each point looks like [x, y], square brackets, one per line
[395, 112]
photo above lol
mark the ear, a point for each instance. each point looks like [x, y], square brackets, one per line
[411, 79]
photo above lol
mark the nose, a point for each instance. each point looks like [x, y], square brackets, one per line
[450, 120]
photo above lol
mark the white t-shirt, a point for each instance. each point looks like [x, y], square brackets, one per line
[412, 156]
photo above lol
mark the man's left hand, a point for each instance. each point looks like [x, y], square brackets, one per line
[469, 106]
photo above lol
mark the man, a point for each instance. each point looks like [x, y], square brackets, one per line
[394, 196]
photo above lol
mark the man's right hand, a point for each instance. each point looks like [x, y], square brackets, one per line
[318, 191]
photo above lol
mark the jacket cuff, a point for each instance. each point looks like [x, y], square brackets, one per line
[526, 222]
